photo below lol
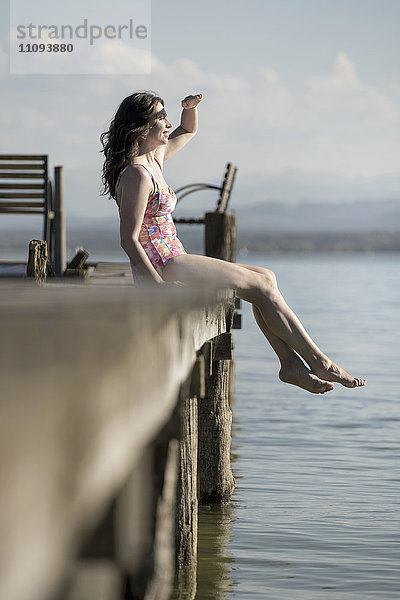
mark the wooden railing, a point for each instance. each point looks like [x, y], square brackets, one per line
[225, 190]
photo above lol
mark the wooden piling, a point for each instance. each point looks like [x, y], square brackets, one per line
[165, 468]
[135, 538]
[37, 260]
[187, 502]
[216, 481]
[77, 266]
[220, 235]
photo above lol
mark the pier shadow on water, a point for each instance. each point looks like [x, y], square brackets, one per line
[212, 579]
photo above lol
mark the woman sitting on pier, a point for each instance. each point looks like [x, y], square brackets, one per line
[135, 147]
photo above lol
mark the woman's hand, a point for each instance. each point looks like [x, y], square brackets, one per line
[187, 129]
[191, 101]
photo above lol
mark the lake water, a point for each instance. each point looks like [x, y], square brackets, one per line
[316, 513]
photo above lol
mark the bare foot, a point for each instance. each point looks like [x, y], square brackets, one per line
[332, 372]
[298, 374]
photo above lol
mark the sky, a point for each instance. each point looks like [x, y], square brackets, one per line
[302, 95]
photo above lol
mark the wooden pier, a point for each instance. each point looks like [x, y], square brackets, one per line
[115, 413]
[102, 388]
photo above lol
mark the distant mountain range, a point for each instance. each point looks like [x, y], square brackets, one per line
[318, 217]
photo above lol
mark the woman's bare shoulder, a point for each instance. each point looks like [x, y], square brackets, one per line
[135, 178]
[135, 174]
[134, 182]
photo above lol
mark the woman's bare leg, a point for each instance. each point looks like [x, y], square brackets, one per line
[292, 370]
[261, 290]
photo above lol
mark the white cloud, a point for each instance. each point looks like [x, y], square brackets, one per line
[336, 127]
[117, 58]
[342, 92]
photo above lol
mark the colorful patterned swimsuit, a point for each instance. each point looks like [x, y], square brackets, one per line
[158, 234]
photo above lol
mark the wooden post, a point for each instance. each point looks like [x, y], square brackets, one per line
[79, 260]
[187, 499]
[37, 260]
[220, 235]
[135, 540]
[166, 463]
[216, 482]
[60, 250]
[187, 504]
[77, 266]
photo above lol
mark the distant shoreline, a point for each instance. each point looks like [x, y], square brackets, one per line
[273, 243]
[104, 241]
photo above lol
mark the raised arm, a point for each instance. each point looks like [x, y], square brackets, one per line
[133, 194]
[186, 130]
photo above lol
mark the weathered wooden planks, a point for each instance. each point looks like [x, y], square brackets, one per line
[90, 375]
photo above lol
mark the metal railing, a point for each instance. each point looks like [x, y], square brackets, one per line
[223, 200]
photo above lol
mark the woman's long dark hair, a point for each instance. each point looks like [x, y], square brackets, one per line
[128, 129]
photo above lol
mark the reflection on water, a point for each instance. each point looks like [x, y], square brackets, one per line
[185, 583]
[214, 562]
[214, 568]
